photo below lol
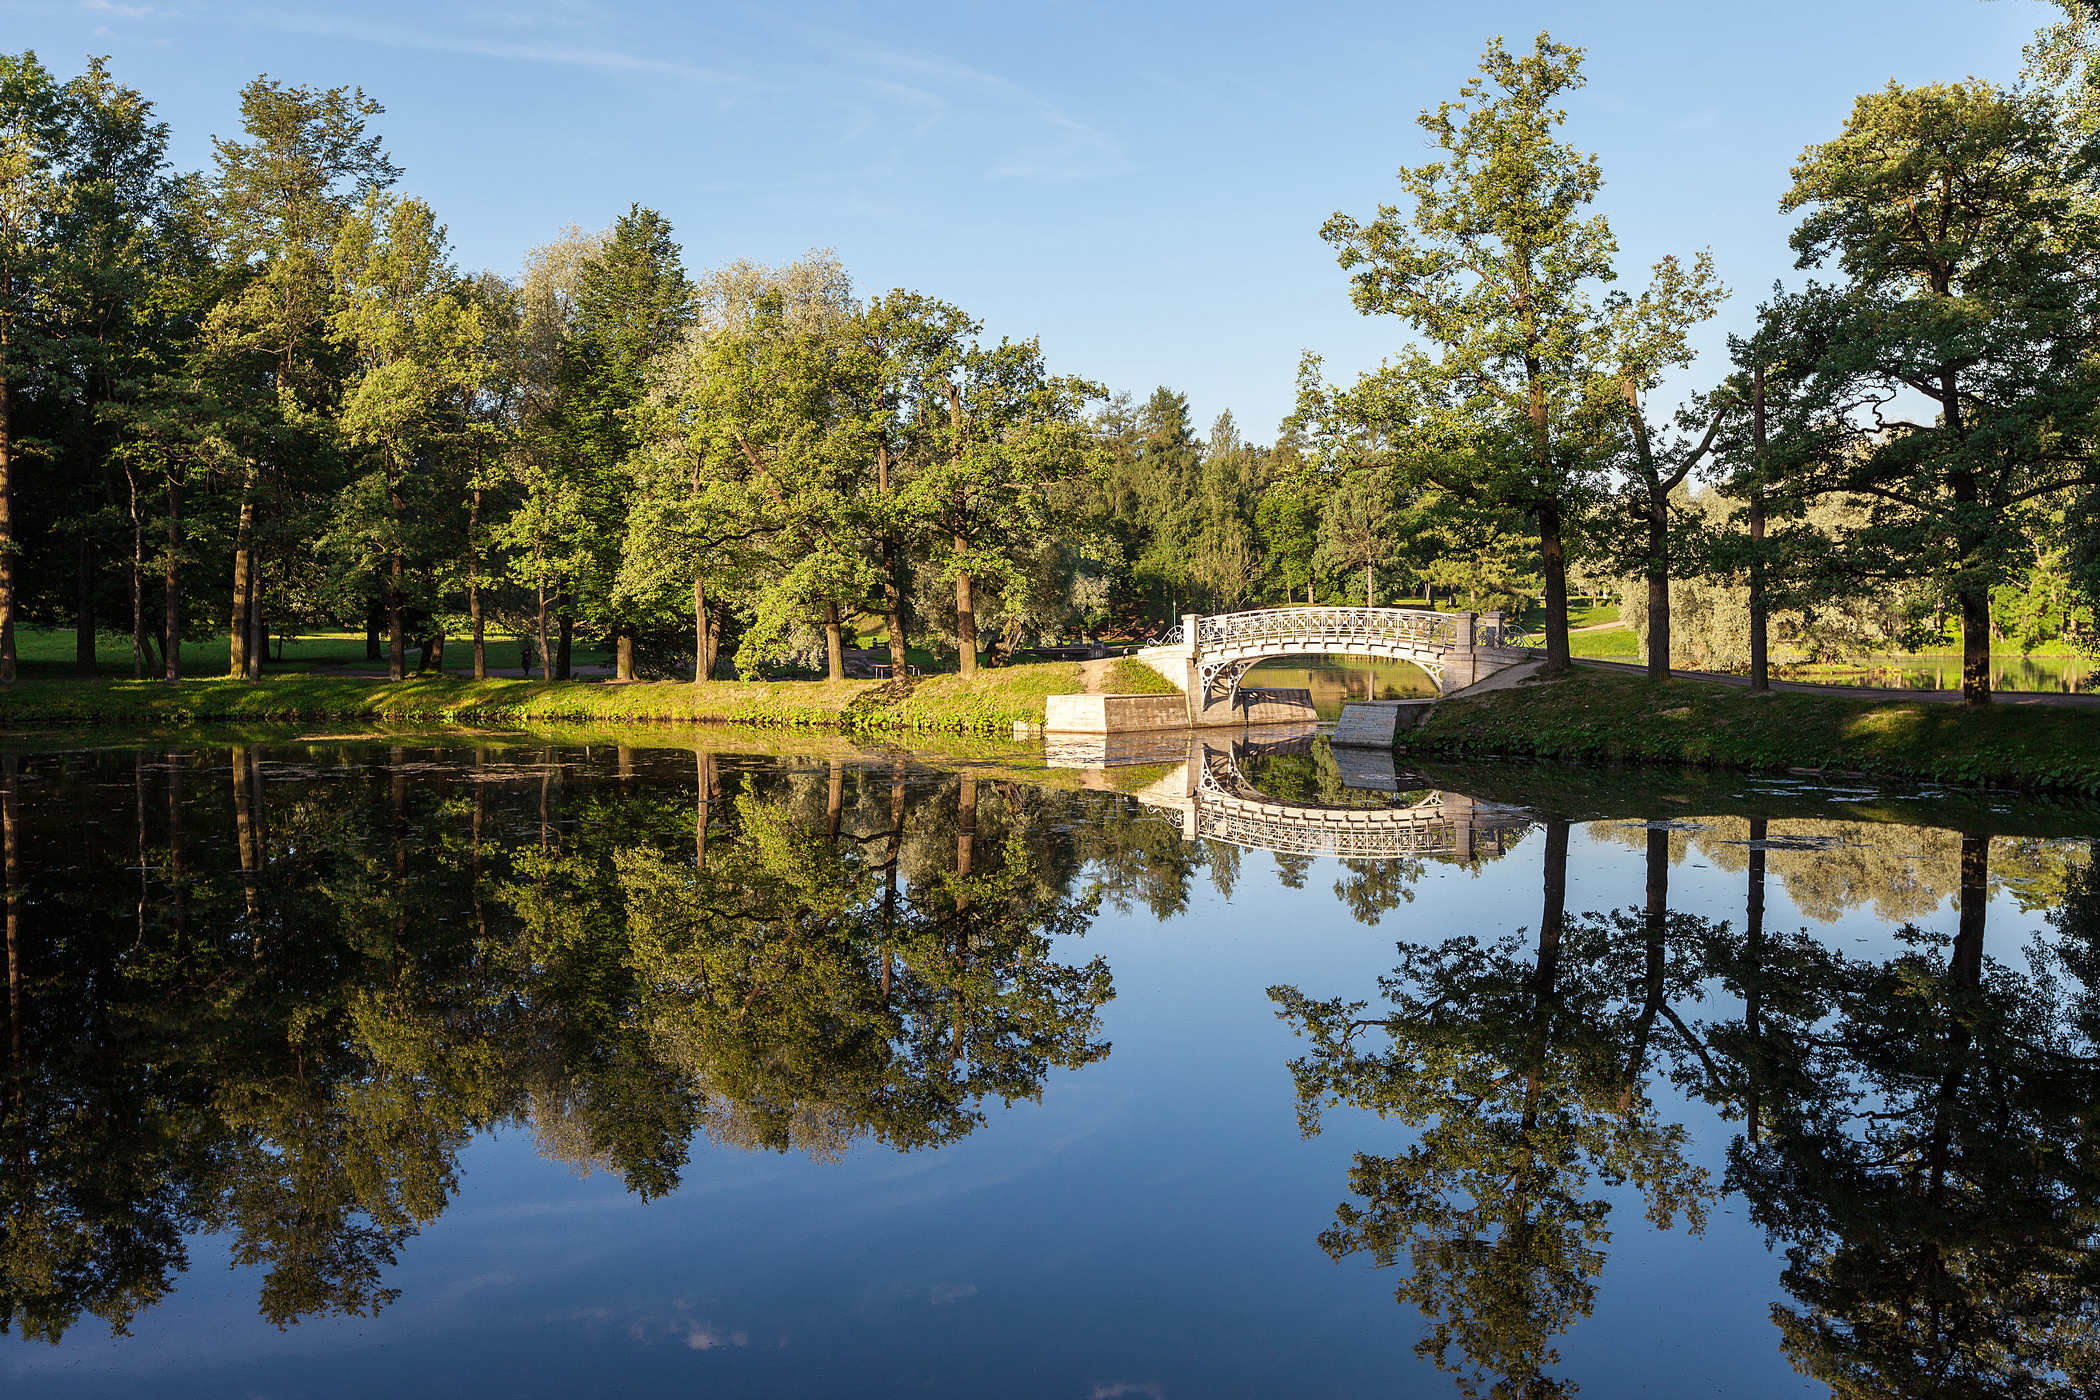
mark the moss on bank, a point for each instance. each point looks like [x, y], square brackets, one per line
[987, 702]
[1593, 715]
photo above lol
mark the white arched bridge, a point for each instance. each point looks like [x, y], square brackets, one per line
[1206, 656]
[1214, 801]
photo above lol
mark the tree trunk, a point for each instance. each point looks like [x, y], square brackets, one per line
[1760, 624]
[1754, 977]
[546, 653]
[834, 644]
[84, 607]
[563, 641]
[375, 622]
[171, 635]
[481, 655]
[11, 871]
[623, 654]
[237, 628]
[396, 641]
[1554, 565]
[1658, 590]
[7, 508]
[1965, 960]
[1975, 644]
[1367, 585]
[893, 606]
[702, 662]
[258, 625]
[965, 624]
[396, 635]
[140, 656]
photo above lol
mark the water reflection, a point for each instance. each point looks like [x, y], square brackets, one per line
[290, 1041]
[1916, 1132]
[270, 991]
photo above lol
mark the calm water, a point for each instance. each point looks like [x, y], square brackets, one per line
[1942, 671]
[348, 1066]
[1336, 680]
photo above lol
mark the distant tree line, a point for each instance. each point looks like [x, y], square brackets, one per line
[263, 399]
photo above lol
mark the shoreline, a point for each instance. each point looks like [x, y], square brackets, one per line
[991, 701]
[1604, 715]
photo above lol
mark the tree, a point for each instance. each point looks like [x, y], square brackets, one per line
[278, 201]
[1954, 212]
[1505, 397]
[632, 302]
[1651, 338]
[415, 337]
[1356, 530]
[1008, 437]
[31, 137]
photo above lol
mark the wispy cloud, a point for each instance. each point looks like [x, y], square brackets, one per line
[1153, 1390]
[570, 55]
[1038, 140]
[104, 7]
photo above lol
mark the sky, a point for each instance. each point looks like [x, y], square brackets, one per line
[1140, 185]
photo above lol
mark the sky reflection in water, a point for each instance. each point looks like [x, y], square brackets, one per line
[950, 1073]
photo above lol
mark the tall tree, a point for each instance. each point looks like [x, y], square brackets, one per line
[1009, 436]
[1955, 214]
[1496, 270]
[280, 195]
[414, 334]
[632, 303]
[1652, 339]
[31, 137]
[126, 255]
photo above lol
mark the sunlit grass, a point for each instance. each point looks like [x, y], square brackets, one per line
[1601, 715]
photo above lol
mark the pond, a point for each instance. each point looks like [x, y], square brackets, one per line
[747, 1065]
[1942, 671]
[1336, 680]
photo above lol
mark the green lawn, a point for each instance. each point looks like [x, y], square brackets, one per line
[992, 701]
[1604, 715]
[45, 652]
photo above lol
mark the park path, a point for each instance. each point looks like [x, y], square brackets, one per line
[2058, 698]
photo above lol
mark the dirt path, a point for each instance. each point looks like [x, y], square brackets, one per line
[1093, 675]
[1862, 692]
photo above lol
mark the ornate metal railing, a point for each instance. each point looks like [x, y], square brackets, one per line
[1333, 628]
[1383, 841]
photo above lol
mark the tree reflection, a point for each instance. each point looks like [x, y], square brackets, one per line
[1930, 1165]
[1520, 1064]
[277, 995]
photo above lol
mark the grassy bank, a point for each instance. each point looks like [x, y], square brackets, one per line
[1596, 716]
[987, 702]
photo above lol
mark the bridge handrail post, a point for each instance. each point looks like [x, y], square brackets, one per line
[1469, 629]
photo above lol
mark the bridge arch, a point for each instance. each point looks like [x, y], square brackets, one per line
[1212, 799]
[1207, 655]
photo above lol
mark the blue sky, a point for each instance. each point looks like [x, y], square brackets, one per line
[1141, 185]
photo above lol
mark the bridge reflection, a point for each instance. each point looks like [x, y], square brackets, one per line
[1207, 786]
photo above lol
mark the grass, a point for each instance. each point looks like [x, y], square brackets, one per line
[1614, 644]
[44, 652]
[987, 702]
[1130, 677]
[1593, 715]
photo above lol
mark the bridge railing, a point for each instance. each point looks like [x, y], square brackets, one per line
[1333, 628]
